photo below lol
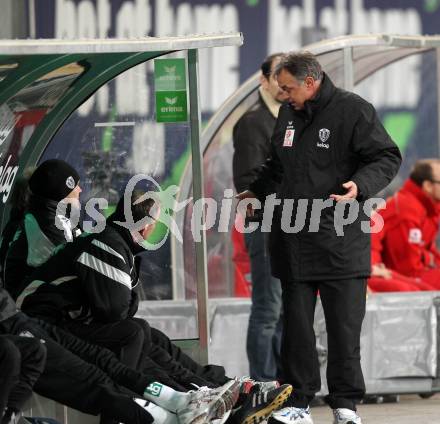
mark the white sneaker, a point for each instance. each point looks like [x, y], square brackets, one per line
[206, 404]
[222, 420]
[346, 416]
[291, 415]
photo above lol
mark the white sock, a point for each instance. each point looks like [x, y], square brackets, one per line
[165, 396]
[160, 415]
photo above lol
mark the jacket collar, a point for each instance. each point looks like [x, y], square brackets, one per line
[322, 98]
[412, 188]
[125, 234]
[41, 205]
[271, 104]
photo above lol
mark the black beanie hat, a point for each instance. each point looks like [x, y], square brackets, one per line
[53, 179]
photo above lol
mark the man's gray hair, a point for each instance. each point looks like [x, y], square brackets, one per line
[300, 65]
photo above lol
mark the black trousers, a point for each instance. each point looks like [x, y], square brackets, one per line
[182, 367]
[76, 380]
[22, 360]
[150, 351]
[125, 338]
[344, 309]
[9, 370]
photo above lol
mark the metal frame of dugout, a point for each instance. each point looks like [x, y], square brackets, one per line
[23, 62]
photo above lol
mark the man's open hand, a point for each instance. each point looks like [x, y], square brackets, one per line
[352, 192]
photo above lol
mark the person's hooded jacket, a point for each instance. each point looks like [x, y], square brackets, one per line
[36, 239]
[89, 280]
[407, 242]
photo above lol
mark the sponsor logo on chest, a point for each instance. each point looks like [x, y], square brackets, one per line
[324, 134]
[415, 236]
[289, 134]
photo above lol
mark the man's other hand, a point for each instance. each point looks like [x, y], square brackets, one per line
[247, 194]
[352, 192]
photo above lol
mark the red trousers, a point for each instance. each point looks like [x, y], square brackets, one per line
[430, 281]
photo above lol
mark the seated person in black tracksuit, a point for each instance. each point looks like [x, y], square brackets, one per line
[41, 231]
[22, 360]
[44, 227]
[87, 288]
[41, 226]
[90, 378]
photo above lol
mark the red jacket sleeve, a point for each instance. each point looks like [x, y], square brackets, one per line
[405, 249]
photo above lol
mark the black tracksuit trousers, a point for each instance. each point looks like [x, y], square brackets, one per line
[9, 370]
[77, 380]
[22, 360]
[344, 303]
[151, 352]
[182, 367]
[124, 338]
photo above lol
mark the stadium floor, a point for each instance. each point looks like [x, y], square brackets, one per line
[411, 409]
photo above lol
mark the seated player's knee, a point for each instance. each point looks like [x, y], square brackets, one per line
[132, 332]
[10, 356]
[145, 327]
[37, 351]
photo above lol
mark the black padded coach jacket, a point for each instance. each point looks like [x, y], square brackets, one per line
[336, 138]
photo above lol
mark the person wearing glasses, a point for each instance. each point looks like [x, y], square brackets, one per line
[404, 253]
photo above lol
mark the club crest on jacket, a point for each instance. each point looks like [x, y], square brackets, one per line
[324, 134]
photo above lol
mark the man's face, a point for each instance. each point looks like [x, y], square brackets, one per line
[271, 85]
[432, 188]
[152, 221]
[297, 92]
[73, 196]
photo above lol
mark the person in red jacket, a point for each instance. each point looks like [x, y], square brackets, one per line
[404, 253]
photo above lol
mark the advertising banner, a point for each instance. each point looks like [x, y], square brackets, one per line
[170, 90]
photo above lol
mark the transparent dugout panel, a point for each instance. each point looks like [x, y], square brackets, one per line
[405, 95]
[21, 114]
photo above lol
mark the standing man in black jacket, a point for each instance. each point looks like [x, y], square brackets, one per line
[329, 155]
[251, 147]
